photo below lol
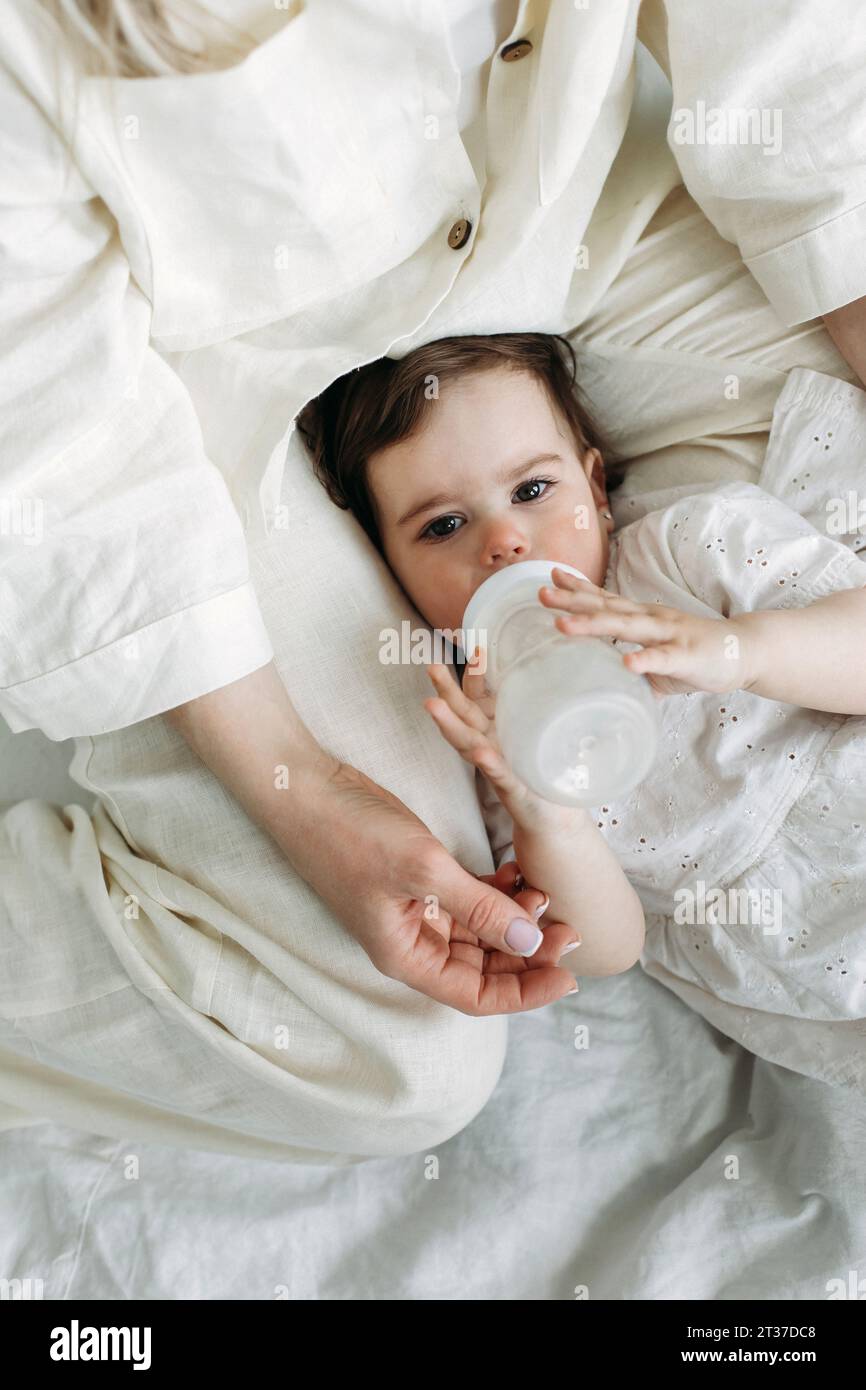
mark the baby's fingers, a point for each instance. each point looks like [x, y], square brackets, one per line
[664, 660]
[465, 709]
[470, 743]
[564, 579]
[640, 626]
[587, 599]
[474, 685]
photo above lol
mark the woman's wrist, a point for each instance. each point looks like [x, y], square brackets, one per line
[251, 737]
[847, 328]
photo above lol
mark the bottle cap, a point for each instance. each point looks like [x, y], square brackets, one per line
[520, 581]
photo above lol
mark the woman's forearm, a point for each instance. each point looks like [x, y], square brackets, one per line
[847, 328]
[252, 738]
[813, 657]
[588, 890]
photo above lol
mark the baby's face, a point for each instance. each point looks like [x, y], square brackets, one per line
[492, 478]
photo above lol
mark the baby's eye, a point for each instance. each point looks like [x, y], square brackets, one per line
[430, 534]
[534, 483]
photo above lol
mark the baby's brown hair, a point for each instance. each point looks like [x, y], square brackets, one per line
[385, 401]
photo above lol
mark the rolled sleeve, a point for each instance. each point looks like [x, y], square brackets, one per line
[768, 127]
[124, 572]
[818, 271]
[173, 660]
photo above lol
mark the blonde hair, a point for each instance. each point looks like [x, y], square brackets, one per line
[111, 39]
[146, 38]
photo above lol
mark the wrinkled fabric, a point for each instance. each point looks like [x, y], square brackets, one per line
[170, 1024]
[187, 260]
[629, 1151]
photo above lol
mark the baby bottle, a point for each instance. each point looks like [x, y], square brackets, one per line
[573, 722]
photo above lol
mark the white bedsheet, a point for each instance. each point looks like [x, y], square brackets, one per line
[660, 1162]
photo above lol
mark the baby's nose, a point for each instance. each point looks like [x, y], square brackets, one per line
[505, 544]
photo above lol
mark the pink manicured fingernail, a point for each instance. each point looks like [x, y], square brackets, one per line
[572, 946]
[571, 991]
[541, 909]
[523, 937]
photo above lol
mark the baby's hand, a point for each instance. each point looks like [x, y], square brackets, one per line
[465, 720]
[680, 650]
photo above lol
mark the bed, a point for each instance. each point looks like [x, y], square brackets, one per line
[630, 1151]
[661, 1161]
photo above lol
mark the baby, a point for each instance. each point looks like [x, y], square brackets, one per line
[744, 846]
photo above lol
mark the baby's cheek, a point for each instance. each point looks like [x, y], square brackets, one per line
[438, 595]
[578, 541]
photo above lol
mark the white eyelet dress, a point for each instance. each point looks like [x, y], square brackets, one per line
[747, 841]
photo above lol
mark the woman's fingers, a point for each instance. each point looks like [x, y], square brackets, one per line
[534, 901]
[558, 937]
[507, 878]
[504, 973]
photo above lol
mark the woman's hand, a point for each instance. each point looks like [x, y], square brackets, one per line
[420, 917]
[509, 879]
[680, 650]
[465, 719]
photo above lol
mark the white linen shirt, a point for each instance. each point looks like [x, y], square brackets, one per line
[729, 767]
[223, 245]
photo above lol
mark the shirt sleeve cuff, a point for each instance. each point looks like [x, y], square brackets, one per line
[816, 272]
[844, 571]
[145, 673]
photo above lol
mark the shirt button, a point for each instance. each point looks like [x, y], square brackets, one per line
[512, 51]
[459, 234]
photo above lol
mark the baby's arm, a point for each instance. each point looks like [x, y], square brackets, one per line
[574, 864]
[809, 656]
[558, 848]
[813, 656]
